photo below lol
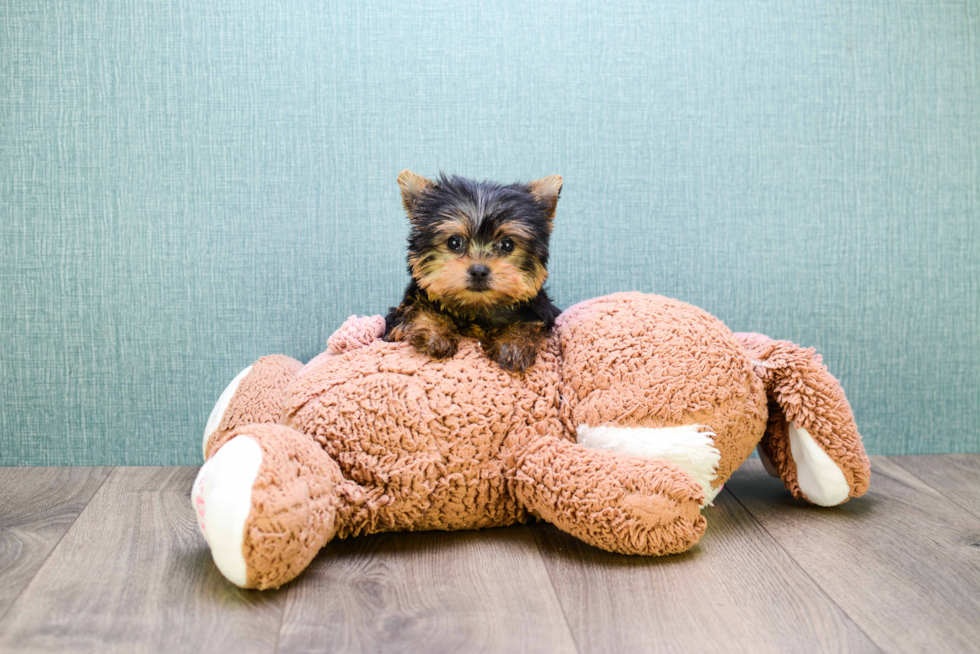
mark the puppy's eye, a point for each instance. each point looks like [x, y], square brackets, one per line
[506, 245]
[454, 243]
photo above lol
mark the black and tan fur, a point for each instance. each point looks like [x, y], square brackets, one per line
[477, 256]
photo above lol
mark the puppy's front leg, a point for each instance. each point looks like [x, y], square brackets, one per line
[516, 346]
[429, 332]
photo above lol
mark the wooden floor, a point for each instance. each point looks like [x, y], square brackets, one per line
[110, 559]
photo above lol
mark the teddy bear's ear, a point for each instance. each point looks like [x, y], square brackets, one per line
[546, 191]
[412, 186]
[811, 441]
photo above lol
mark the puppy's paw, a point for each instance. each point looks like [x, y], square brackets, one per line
[513, 357]
[434, 344]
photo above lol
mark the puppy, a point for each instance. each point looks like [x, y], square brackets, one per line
[478, 257]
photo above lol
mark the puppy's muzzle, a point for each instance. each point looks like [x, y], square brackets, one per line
[479, 277]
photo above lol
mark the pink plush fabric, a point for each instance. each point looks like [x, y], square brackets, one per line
[356, 332]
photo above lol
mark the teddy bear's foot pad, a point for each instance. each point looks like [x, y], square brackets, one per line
[222, 498]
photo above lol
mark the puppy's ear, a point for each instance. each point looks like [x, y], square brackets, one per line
[546, 191]
[412, 186]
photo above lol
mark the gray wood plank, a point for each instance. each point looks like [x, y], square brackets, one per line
[468, 591]
[737, 590]
[902, 561]
[37, 506]
[955, 476]
[134, 575]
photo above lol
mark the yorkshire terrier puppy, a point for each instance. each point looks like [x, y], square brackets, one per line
[478, 256]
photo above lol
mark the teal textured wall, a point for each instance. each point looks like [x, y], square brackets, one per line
[186, 186]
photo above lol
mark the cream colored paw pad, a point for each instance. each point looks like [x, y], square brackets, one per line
[222, 499]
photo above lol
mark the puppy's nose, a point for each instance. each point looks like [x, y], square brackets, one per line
[479, 272]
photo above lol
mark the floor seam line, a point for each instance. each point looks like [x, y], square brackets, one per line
[564, 615]
[894, 459]
[806, 573]
[48, 557]
[282, 619]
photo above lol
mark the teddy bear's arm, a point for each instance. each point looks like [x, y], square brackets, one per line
[620, 503]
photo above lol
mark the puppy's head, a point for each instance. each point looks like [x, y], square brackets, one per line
[475, 246]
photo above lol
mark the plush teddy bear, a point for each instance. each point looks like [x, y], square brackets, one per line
[636, 412]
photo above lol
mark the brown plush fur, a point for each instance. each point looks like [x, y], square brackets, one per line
[805, 393]
[375, 436]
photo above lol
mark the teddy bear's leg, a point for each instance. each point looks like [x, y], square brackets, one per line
[266, 502]
[626, 504]
[255, 395]
[811, 440]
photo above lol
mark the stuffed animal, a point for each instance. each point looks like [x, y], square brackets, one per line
[636, 412]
